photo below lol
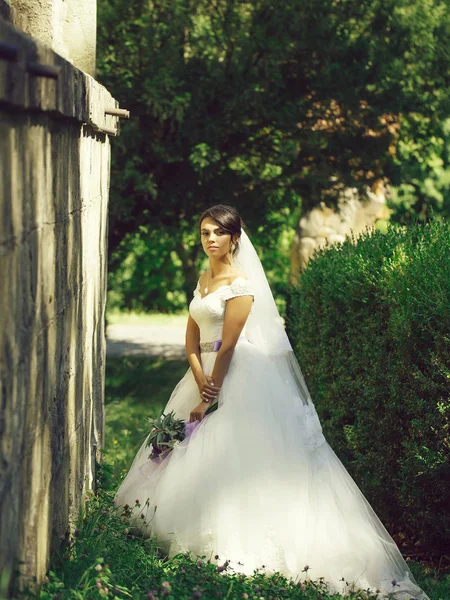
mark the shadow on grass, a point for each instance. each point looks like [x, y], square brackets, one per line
[136, 388]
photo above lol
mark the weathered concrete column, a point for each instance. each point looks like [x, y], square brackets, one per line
[54, 180]
[67, 26]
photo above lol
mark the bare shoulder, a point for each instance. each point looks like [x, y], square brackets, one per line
[236, 274]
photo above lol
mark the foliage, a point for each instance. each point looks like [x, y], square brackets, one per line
[146, 273]
[370, 322]
[422, 182]
[260, 105]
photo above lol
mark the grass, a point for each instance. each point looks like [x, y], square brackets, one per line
[102, 559]
[136, 388]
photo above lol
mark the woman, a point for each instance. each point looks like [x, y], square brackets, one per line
[256, 483]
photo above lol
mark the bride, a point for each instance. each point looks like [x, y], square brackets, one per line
[256, 483]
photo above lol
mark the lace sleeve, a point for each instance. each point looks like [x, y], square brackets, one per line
[239, 287]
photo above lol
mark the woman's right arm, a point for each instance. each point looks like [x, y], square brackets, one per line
[193, 349]
[206, 389]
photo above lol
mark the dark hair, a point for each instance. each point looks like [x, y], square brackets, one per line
[228, 218]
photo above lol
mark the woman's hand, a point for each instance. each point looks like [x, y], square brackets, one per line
[208, 391]
[198, 412]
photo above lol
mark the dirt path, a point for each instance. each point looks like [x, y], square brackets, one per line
[146, 340]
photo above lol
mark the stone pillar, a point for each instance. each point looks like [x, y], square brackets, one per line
[66, 26]
[54, 183]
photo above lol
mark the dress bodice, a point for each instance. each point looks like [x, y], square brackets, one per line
[209, 312]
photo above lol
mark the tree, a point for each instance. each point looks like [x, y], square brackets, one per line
[422, 184]
[258, 105]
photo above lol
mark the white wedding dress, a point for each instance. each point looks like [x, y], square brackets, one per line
[257, 483]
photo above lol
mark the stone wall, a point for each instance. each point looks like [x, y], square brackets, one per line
[324, 226]
[54, 179]
[68, 27]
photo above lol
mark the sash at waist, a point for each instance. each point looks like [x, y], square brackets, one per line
[214, 346]
[210, 346]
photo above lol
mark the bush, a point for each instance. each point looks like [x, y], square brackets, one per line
[370, 323]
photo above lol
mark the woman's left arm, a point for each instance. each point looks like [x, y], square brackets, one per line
[236, 314]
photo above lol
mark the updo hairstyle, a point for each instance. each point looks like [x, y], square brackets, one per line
[228, 218]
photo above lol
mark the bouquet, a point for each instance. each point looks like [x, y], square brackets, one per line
[166, 432]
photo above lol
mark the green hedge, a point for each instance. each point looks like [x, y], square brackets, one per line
[370, 323]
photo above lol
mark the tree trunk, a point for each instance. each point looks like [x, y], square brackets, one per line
[188, 257]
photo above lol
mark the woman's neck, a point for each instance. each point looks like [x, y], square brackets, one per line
[217, 268]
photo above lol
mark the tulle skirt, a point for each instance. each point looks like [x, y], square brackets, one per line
[257, 484]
